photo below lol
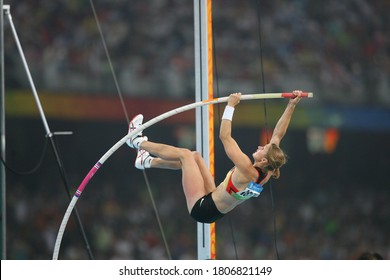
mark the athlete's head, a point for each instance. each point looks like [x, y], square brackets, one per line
[272, 157]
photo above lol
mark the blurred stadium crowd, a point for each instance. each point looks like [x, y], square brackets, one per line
[338, 48]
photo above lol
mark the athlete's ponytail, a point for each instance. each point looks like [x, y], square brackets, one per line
[276, 159]
[276, 173]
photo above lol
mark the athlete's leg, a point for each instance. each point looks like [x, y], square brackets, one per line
[196, 177]
[162, 151]
[169, 157]
[165, 164]
[209, 183]
[145, 160]
[192, 177]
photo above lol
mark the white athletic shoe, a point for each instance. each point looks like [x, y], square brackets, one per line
[136, 140]
[143, 160]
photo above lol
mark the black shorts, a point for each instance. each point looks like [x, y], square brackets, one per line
[205, 211]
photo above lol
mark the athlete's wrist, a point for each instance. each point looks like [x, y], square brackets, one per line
[228, 113]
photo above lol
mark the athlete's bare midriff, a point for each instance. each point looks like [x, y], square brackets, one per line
[223, 199]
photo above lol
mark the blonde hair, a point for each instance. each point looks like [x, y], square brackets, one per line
[276, 159]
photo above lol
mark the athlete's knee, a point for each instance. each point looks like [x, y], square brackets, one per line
[187, 155]
[197, 156]
[184, 153]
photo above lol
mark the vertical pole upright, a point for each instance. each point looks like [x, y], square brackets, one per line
[49, 134]
[2, 136]
[204, 114]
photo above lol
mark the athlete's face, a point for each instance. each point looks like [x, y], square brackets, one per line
[261, 152]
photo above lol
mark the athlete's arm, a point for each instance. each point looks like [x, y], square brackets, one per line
[284, 121]
[230, 145]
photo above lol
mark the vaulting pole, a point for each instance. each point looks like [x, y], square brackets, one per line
[204, 114]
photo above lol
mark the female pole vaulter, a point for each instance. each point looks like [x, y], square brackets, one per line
[207, 202]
